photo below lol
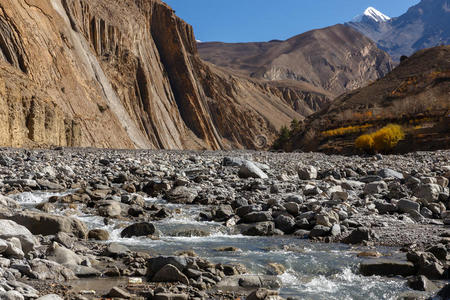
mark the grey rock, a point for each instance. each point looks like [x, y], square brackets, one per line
[389, 173]
[323, 220]
[335, 230]
[48, 185]
[21, 182]
[285, 223]
[292, 208]
[429, 192]
[257, 216]
[63, 255]
[116, 250]
[181, 195]
[155, 264]
[109, 208]
[170, 273]
[47, 224]
[139, 229]
[307, 173]
[245, 209]
[250, 281]
[358, 236]
[11, 295]
[384, 207]
[9, 229]
[249, 170]
[339, 196]
[385, 267]
[319, 231]
[263, 294]
[14, 248]
[24, 289]
[223, 213]
[375, 187]
[65, 240]
[98, 234]
[257, 229]
[405, 206]
[421, 283]
[43, 269]
[301, 233]
[3, 246]
[295, 198]
[8, 202]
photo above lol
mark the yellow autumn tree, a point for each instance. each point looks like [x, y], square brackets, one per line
[365, 142]
[382, 140]
[388, 137]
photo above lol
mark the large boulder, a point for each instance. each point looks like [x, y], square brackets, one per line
[63, 255]
[155, 264]
[43, 269]
[98, 234]
[139, 229]
[249, 169]
[116, 250]
[385, 267]
[429, 192]
[257, 216]
[170, 273]
[109, 208]
[389, 173]
[47, 224]
[319, 231]
[181, 195]
[358, 236]
[257, 229]
[405, 206]
[10, 229]
[285, 223]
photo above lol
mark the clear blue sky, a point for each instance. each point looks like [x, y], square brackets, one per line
[264, 20]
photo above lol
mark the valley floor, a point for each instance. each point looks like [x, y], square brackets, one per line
[87, 223]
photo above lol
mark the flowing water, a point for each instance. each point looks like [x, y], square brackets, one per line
[313, 270]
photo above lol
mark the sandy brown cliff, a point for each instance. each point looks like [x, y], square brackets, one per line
[125, 74]
[415, 95]
[335, 59]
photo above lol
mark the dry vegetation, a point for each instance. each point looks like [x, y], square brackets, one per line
[383, 140]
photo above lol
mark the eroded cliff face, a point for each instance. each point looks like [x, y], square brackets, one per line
[125, 74]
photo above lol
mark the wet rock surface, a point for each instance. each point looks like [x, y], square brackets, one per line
[108, 204]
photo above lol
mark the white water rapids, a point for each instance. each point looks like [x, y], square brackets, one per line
[313, 270]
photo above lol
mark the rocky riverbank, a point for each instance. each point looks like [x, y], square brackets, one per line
[59, 209]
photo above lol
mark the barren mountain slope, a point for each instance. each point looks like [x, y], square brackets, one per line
[336, 59]
[415, 95]
[125, 74]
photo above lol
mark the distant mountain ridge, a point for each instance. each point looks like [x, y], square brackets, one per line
[335, 59]
[424, 25]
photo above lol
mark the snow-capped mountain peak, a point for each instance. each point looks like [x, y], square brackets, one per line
[373, 14]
